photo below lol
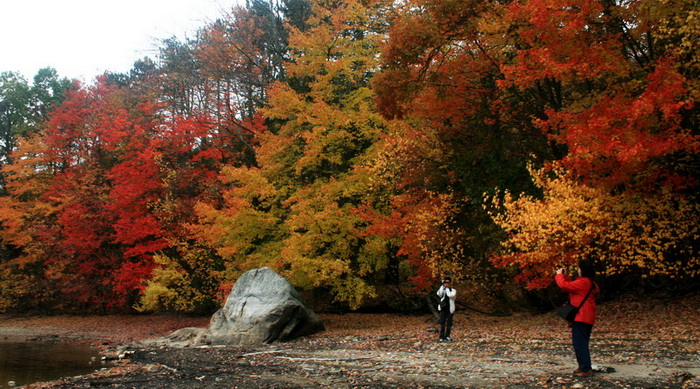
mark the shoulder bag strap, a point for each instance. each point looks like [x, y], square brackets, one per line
[587, 294]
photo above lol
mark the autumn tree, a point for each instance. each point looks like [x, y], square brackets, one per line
[293, 210]
[628, 118]
[24, 107]
[460, 137]
[605, 59]
[627, 233]
[598, 88]
[243, 53]
[225, 73]
[112, 183]
[109, 183]
[221, 76]
[35, 218]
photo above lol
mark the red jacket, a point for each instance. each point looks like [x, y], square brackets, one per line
[577, 290]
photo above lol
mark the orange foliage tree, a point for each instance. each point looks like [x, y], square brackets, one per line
[600, 91]
[625, 193]
[459, 134]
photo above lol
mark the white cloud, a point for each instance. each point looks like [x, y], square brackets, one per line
[83, 38]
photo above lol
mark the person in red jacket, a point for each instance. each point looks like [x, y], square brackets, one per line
[582, 326]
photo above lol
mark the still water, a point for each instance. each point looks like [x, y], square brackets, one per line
[28, 362]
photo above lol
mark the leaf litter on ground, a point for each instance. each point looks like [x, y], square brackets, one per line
[638, 342]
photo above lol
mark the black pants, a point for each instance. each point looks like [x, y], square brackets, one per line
[445, 323]
[581, 338]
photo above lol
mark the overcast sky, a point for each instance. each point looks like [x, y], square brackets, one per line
[84, 38]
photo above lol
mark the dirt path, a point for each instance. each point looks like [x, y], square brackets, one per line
[661, 350]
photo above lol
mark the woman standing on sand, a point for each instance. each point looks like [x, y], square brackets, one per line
[579, 289]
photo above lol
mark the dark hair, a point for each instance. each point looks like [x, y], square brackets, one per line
[446, 279]
[587, 268]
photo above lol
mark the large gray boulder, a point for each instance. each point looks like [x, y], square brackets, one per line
[262, 308]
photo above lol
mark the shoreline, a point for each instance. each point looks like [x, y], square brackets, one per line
[658, 349]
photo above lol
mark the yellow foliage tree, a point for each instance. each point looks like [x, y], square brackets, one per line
[189, 281]
[648, 234]
[292, 211]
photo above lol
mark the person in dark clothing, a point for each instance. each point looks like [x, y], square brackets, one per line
[446, 308]
[582, 326]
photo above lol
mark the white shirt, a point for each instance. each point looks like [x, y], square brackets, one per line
[451, 294]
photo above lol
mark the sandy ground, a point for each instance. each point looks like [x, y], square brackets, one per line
[660, 349]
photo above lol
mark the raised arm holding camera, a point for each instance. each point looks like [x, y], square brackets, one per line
[446, 307]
